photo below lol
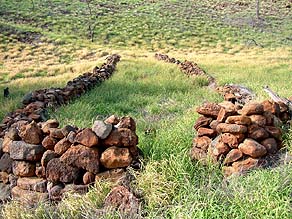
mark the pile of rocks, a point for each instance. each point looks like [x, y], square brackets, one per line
[36, 102]
[189, 68]
[40, 161]
[240, 138]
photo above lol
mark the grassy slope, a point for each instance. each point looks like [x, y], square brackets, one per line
[159, 97]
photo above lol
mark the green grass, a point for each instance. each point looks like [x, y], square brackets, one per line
[48, 45]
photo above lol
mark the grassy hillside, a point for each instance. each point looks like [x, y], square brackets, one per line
[46, 43]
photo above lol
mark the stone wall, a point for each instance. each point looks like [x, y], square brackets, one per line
[41, 161]
[239, 138]
[35, 103]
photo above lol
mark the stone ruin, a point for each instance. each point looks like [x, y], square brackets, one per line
[36, 102]
[41, 161]
[238, 137]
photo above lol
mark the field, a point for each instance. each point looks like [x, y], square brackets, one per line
[46, 43]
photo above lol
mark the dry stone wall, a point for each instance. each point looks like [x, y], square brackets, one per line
[239, 138]
[41, 161]
[36, 102]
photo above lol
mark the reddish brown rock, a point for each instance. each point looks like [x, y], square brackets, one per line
[31, 133]
[115, 157]
[232, 156]
[274, 132]
[122, 200]
[228, 171]
[245, 165]
[58, 171]
[87, 138]
[47, 156]
[271, 145]
[232, 140]
[4, 177]
[40, 172]
[206, 132]
[252, 109]
[239, 120]
[23, 168]
[202, 122]
[6, 163]
[56, 133]
[32, 183]
[256, 132]
[114, 120]
[71, 137]
[88, 178]
[214, 124]
[272, 107]
[252, 148]
[259, 120]
[221, 148]
[202, 142]
[223, 114]
[269, 118]
[13, 134]
[209, 110]
[231, 128]
[51, 123]
[121, 137]
[49, 142]
[29, 197]
[62, 146]
[82, 157]
[127, 122]
[6, 144]
[229, 106]
[114, 175]
[199, 154]
[20, 150]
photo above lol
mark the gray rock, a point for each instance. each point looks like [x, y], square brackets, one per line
[19, 150]
[6, 163]
[5, 192]
[101, 129]
[1, 144]
[27, 98]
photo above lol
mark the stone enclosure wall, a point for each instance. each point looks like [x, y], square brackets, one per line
[240, 138]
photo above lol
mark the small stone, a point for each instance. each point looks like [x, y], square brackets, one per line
[256, 132]
[71, 137]
[214, 124]
[62, 146]
[58, 171]
[56, 133]
[202, 142]
[6, 163]
[4, 177]
[67, 129]
[222, 148]
[223, 114]
[115, 157]
[259, 120]
[274, 132]
[6, 144]
[87, 138]
[51, 123]
[252, 109]
[231, 128]
[40, 171]
[122, 200]
[121, 137]
[56, 192]
[114, 120]
[127, 122]
[88, 178]
[5, 192]
[20, 150]
[32, 183]
[31, 133]
[102, 129]
[272, 107]
[252, 148]
[79, 189]
[1, 145]
[29, 197]
[209, 110]
[206, 132]
[47, 156]
[271, 145]
[232, 140]
[232, 156]
[23, 168]
[49, 142]
[229, 106]
[13, 180]
[113, 175]
[239, 120]
[13, 134]
[202, 122]
[269, 118]
[82, 157]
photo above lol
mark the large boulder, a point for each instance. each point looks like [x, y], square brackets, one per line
[252, 148]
